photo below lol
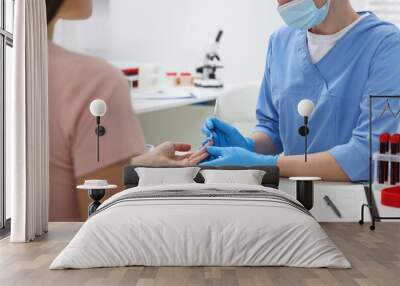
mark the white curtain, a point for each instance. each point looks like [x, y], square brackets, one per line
[27, 146]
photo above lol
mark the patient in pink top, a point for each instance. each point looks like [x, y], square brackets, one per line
[74, 81]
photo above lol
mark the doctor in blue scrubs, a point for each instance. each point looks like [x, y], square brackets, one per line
[335, 57]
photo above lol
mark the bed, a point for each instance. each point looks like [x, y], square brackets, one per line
[197, 224]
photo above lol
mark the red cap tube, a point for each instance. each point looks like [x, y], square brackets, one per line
[384, 138]
[395, 139]
[131, 71]
[395, 143]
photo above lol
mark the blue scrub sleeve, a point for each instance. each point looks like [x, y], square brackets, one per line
[267, 115]
[384, 79]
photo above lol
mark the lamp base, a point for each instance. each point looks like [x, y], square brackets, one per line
[305, 190]
[305, 193]
[209, 83]
[96, 195]
[100, 130]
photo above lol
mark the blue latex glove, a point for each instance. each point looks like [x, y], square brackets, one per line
[236, 156]
[225, 135]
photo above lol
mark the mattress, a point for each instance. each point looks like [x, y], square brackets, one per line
[201, 225]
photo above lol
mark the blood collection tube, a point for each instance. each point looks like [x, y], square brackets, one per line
[383, 166]
[395, 166]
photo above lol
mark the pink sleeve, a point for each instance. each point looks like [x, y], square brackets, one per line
[124, 137]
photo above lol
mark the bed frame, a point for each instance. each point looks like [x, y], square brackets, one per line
[271, 178]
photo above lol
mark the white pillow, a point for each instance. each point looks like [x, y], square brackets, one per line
[246, 177]
[166, 176]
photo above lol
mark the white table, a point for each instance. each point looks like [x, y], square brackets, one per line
[152, 105]
[347, 197]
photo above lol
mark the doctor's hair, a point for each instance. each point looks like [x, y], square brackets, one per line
[52, 7]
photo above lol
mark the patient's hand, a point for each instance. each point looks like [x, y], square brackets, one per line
[202, 153]
[166, 155]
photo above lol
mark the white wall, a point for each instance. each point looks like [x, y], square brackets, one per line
[175, 33]
[360, 5]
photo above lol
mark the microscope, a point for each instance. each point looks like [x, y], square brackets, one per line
[212, 62]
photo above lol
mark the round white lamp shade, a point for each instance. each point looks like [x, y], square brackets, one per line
[98, 108]
[305, 107]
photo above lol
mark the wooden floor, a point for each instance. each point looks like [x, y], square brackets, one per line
[375, 257]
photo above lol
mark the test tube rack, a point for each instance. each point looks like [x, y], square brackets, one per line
[371, 205]
[389, 159]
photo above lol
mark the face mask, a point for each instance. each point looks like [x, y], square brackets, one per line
[303, 14]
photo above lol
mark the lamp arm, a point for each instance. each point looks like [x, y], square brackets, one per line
[306, 138]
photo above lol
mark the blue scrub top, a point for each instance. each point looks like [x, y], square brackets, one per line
[366, 61]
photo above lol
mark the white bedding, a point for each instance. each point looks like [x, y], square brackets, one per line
[200, 232]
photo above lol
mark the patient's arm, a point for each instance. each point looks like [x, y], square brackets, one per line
[321, 165]
[163, 155]
[166, 155]
[264, 144]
